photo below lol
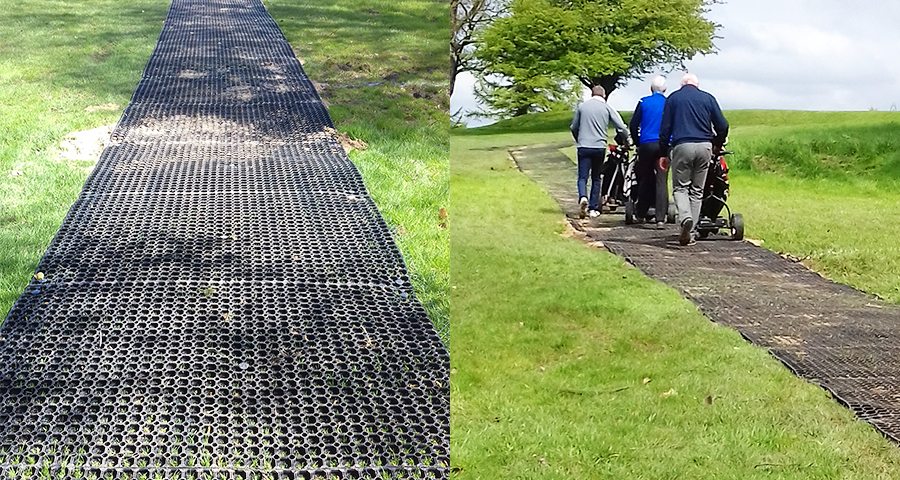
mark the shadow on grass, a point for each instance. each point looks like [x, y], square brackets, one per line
[400, 47]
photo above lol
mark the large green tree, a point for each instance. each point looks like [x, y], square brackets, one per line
[504, 97]
[596, 42]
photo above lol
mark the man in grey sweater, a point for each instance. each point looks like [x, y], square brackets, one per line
[590, 128]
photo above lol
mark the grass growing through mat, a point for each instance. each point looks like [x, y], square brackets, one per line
[74, 65]
[381, 66]
[569, 364]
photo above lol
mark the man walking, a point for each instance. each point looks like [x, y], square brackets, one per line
[589, 127]
[651, 178]
[692, 123]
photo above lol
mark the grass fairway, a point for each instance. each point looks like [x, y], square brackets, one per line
[68, 57]
[556, 341]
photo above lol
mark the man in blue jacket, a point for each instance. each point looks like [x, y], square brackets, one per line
[651, 179]
[692, 123]
[590, 127]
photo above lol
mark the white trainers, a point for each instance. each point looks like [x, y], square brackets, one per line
[594, 213]
[583, 204]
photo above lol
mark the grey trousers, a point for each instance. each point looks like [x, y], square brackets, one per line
[690, 163]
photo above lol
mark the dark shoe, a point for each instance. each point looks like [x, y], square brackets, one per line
[686, 234]
[583, 206]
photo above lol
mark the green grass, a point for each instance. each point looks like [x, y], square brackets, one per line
[68, 56]
[819, 145]
[58, 59]
[555, 339]
[844, 230]
[823, 187]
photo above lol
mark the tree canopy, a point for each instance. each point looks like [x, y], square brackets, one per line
[504, 98]
[596, 42]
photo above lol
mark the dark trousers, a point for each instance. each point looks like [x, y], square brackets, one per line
[590, 163]
[652, 189]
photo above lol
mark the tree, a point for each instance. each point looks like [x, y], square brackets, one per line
[468, 18]
[514, 96]
[596, 42]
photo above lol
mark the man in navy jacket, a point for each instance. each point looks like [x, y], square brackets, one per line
[651, 179]
[692, 123]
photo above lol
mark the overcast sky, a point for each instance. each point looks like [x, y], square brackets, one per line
[786, 54]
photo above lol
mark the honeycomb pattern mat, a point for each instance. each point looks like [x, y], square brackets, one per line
[223, 300]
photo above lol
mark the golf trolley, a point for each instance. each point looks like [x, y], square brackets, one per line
[620, 185]
[715, 197]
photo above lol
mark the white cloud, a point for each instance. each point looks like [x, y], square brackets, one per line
[790, 54]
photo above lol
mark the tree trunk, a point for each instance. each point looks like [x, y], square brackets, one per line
[608, 82]
[454, 71]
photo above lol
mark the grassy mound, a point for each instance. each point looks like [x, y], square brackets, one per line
[839, 146]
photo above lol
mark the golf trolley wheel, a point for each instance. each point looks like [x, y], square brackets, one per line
[629, 212]
[671, 213]
[737, 226]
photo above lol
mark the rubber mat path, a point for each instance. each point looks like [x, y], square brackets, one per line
[223, 300]
[830, 334]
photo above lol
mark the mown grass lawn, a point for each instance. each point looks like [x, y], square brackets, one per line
[68, 58]
[567, 363]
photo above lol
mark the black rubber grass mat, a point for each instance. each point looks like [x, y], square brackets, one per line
[223, 300]
[831, 334]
